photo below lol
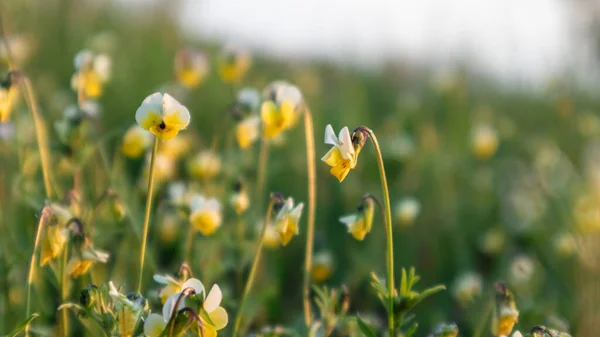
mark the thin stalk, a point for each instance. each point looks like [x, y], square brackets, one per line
[189, 244]
[312, 198]
[147, 213]
[238, 318]
[44, 216]
[263, 156]
[40, 132]
[388, 223]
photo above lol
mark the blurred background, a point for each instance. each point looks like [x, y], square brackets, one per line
[487, 113]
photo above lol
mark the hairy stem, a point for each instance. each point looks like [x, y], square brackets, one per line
[147, 213]
[257, 254]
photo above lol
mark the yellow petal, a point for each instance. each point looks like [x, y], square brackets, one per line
[167, 291]
[154, 326]
[209, 331]
[288, 113]
[219, 318]
[341, 170]
[205, 222]
[269, 113]
[333, 157]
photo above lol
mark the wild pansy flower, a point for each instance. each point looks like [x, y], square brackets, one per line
[171, 286]
[247, 131]
[343, 156]
[91, 72]
[322, 266]
[191, 67]
[505, 314]
[406, 211]
[205, 165]
[271, 237]
[360, 223]
[53, 242]
[205, 214]
[239, 198]
[8, 97]
[233, 64]
[162, 115]
[84, 255]
[467, 286]
[484, 140]
[136, 142]
[286, 221]
[129, 309]
[280, 110]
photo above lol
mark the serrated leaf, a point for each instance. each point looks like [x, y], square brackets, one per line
[428, 292]
[22, 325]
[364, 328]
[411, 330]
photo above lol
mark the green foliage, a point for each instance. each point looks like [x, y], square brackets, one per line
[22, 326]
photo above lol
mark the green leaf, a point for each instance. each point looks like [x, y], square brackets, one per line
[411, 330]
[364, 328]
[428, 292]
[23, 325]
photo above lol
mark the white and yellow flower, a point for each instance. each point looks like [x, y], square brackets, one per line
[53, 242]
[484, 141]
[9, 95]
[286, 222]
[83, 258]
[233, 64]
[322, 267]
[342, 157]
[91, 72]
[247, 131]
[162, 115]
[171, 286]
[205, 214]
[191, 67]
[280, 110]
[360, 223]
[467, 286]
[406, 211]
[129, 310]
[177, 147]
[205, 165]
[239, 199]
[136, 142]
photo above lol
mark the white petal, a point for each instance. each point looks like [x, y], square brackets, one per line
[194, 284]
[349, 220]
[517, 334]
[287, 207]
[165, 279]
[82, 58]
[112, 289]
[172, 106]
[169, 306]
[197, 202]
[330, 137]
[154, 326]
[213, 204]
[151, 104]
[346, 147]
[213, 300]
[102, 66]
[297, 212]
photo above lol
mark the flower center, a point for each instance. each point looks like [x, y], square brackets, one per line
[162, 125]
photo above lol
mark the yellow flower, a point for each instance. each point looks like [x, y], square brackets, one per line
[360, 223]
[191, 67]
[239, 199]
[506, 314]
[286, 222]
[205, 214]
[136, 142]
[233, 65]
[280, 110]
[162, 115]
[271, 238]
[53, 243]
[343, 156]
[84, 256]
[322, 267]
[176, 147]
[128, 308]
[8, 98]
[172, 286]
[484, 141]
[205, 165]
[247, 131]
[91, 72]
[406, 211]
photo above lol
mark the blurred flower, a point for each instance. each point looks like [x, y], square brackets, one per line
[445, 330]
[484, 141]
[205, 214]
[522, 269]
[406, 210]
[247, 101]
[287, 220]
[91, 72]
[247, 131]
[505, 311]
[342, 157]
[239, 198]
[171, 286]
[467, 286]
[177, 193]
[9, 94]
[279, 111]
[360, 223]
[191, 67]
[21, 48]
[136, 142]
[322, 267]
[129, 310]
[271, 238]
[162, 115]
[84, 256]
[177, 147]
[205, 165]
[169, 227]
[53, 242]
[587, 213]
[492, 241]
[588, 123]
[565, 243]
[233, 64]
[164, 168]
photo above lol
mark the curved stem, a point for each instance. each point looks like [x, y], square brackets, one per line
[390, 241]
[257, 254]
[147, 213]
[44, 216]
[312, 198]
[379, 206]
[185, 292]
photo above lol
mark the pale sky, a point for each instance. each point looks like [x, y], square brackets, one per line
[522, 41]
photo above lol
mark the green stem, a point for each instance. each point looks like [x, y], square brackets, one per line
[147, 213]
[312, 197]
[64, 290]
[388, 223]
[44, 216]
[263, 156]
[238, 318]
[189, 244]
